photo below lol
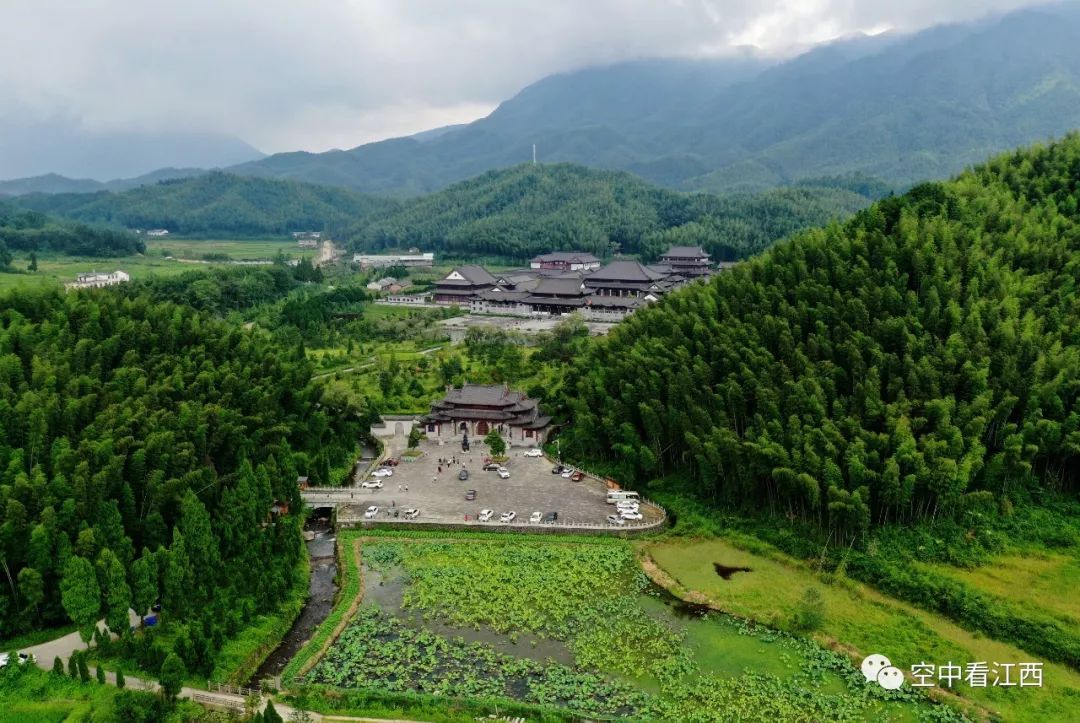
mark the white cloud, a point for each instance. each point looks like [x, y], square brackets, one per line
[316, 74]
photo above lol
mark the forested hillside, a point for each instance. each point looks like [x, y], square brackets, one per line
[918, 361]
[23, 230]
[215, 204]
[142, 448]
[526, 210]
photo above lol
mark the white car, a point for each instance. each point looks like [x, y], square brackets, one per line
[412, 513]
[23, 658]
[567, 472]
[536, 517]
[486, 515]
[372, 484]
[504, 473]
[534, 452]
[615, 520]
[371, 513]
[628, 515]
[383, 472]
[631, 506]
[507, 517]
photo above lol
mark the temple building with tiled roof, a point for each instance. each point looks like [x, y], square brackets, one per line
[688, 261]
[462, 284]
[476, 409]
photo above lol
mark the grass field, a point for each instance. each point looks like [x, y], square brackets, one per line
[1036, 579]
[862, 619]
[35, 696]
[234, 249]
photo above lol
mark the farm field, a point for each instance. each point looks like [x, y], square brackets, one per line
[54, 269]
[860, 618]
[573, 626]
[237, 249]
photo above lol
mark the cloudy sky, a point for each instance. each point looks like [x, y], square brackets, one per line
[319, 74]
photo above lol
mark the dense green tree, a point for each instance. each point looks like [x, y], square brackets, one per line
[527, 210]
[31, 588]
[128, 423]
[33, 231]
[58, 666]
[120, 680]
[144, 587]
[172, 676]
[116, 592]
[270, 714]
[911, 364]
[495, 443]
[81, 595]
[215, 203]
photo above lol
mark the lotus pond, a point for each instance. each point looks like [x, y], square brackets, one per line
[577, 625]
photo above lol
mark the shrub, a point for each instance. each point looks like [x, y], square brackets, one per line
[809, 612]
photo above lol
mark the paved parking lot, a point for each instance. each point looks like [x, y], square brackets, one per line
[440, 495]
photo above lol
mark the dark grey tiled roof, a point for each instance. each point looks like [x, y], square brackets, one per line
[685, 252]
[560, 287]
[623, 271]
[567, 256]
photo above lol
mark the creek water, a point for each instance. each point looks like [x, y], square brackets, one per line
[321, 591]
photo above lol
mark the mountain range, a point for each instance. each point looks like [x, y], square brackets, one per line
[902, 108]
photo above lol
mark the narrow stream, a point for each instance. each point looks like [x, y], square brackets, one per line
[320, 600]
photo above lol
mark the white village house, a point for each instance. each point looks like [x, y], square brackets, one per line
[94, 280]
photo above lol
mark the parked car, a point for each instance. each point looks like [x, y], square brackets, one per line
[626, 505]
[577, 476]
[557, 469]
[463, 474]
[383, 472]
[534, 452]
[566, 473]
[372, 484]
[536, 517]
[504, 473]
[412, 513]
[551, 517]
[392, 462]
[23, 658]
[486, 515]
[371, 513]
[615, 520]
[630, 515]
[490, 466]
[507, 517]
[470, 495]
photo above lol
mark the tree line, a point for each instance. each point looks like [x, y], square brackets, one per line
[915, 362]
[528, 210]
[34, 232]
[215, 203]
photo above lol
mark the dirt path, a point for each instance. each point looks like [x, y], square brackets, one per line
[326, 253]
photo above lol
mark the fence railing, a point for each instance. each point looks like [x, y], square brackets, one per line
[233, 689]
